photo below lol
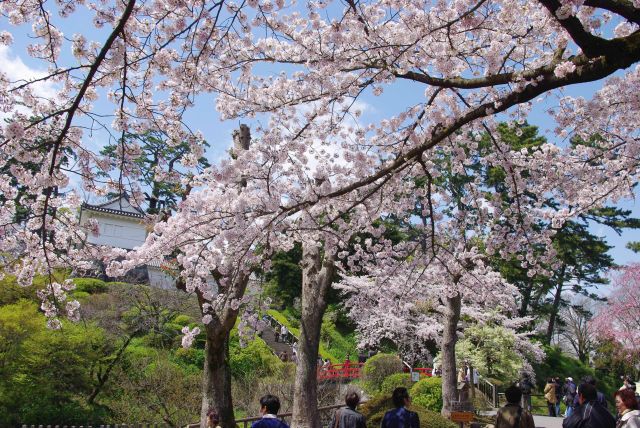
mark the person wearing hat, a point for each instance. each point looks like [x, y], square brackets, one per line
[569, 392]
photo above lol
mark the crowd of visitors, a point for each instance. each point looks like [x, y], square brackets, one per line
[465, 374]
[345, 417]
[586, 407]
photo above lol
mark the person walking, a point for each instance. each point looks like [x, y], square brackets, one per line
[601, 398]
[512, 415]
[269, 407]
[348, 416]
[284, 331]
[550, 396]
[569, 391]
[461, 375]
[627, 407]
[400, 417]
[558, 385]
[526, 387]
[589, 413]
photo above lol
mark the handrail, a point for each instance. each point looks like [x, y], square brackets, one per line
[245, 421]
[490, 392]
[501, 395]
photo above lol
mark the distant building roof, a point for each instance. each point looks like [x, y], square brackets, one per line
[117, 207]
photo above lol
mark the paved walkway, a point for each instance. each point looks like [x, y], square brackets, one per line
[547, 422]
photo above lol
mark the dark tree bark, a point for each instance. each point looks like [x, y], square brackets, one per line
[216, 378]
[317, 275]
[453, 306]
[526, 299]
[557, 298]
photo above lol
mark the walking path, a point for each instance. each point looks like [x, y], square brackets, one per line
[547, 422]
[269, 336]
[540, 421]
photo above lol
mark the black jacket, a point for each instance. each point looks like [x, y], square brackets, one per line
[590, 415]
[348, 418]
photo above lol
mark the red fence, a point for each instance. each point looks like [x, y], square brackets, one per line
[354, 371]
[424, 371]
[340, 371]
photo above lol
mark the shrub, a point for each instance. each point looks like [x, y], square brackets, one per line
[395, 380]
[253, 360]
[375, 408]
[191, 359]
[428, 393]
[81, 296]
[377, 368]
[90, 285]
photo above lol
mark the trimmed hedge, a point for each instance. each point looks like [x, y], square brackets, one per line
[428, 393]
[375, 408]
[395, 380]
[377, 369]
[90, 285]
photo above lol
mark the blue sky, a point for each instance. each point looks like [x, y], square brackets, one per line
[204, 117]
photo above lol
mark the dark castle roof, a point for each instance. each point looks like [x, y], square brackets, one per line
[101, 208]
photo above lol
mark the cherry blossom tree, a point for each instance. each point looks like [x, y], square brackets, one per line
[316, 171]
[619, 319]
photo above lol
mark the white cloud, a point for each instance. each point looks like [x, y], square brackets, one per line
[18, 72]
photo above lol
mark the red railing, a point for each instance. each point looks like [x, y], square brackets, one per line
[340, 371]
[424, 371]
[354, 371]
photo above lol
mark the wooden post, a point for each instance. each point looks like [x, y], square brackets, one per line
[471, 381]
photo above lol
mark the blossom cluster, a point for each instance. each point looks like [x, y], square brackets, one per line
[319, 170]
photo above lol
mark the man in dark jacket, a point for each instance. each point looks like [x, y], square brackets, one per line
[526, 386]
[557, 383]
[590, 413]
[513, 415]
[601, 398]
[269, 406]
[348, 417]
[569, 392]
[400, 417]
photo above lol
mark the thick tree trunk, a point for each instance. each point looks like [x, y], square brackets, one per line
[526, 299]
[449, 339]
[216, 378]
[556, 307]
[317, 275]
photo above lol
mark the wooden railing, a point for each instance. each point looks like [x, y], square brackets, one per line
[100, 426]
[325, 417]
[488, 391]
